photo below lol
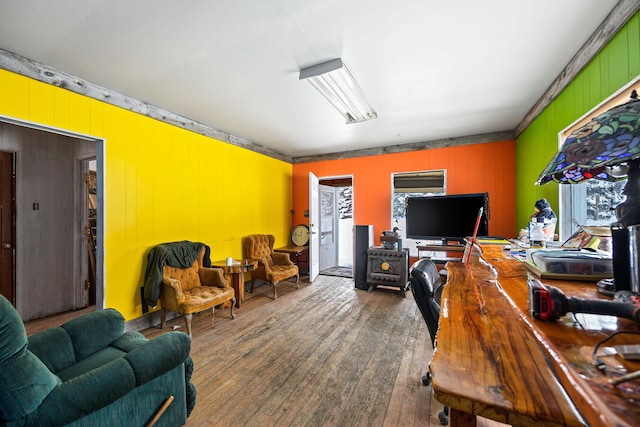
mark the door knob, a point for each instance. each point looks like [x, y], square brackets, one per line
[6, 245]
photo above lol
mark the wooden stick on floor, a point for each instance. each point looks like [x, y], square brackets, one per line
[158, 414]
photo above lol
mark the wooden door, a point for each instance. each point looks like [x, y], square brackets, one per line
[7, 226]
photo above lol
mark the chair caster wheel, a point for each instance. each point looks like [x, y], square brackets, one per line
[426, 379]
[444, 420]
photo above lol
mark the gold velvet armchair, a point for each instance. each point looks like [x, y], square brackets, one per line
[194, 289]
[273, 267]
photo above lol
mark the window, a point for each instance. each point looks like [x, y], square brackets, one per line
[413, 184]
[592, 202]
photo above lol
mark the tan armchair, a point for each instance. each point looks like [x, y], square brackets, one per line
[273, 267]
[194, 289]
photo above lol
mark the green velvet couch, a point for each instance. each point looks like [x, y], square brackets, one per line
[89, 372]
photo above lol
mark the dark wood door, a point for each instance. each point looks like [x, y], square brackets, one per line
[7, 227]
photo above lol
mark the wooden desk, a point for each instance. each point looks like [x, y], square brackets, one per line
[235, 272]
[298, 254]
[493, 359]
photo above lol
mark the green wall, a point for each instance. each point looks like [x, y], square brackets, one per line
[611, 69]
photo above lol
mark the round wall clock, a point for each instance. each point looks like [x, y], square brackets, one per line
[300, 235]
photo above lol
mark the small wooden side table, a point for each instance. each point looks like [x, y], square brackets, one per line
[236, 273]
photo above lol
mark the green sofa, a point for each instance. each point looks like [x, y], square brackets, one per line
[89, 372]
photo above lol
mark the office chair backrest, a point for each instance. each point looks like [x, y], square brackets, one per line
[426, 286]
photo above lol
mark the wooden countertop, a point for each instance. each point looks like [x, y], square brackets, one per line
[493, 359]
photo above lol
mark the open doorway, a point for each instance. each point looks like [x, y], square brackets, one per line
[50, 218]
[336, 226]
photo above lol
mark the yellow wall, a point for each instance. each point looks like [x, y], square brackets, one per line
[162, 183]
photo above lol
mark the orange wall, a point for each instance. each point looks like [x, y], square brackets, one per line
[469, 169]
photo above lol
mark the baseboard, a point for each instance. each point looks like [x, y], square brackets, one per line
[147, 321]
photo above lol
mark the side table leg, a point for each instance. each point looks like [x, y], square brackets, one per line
[238, 287]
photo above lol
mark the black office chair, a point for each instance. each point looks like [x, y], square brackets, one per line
[426, 286]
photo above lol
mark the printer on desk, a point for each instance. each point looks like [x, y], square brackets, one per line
[591, 264]
[586, 255]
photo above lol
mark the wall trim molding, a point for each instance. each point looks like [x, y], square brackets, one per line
[415, 146]
[26, 67]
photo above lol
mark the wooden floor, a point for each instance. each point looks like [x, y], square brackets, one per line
[322, 355]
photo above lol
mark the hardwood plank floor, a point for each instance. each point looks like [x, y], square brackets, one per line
[322, 355]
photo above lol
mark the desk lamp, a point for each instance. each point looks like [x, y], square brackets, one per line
[606, 148]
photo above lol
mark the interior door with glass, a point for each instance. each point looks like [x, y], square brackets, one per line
[314, 218]
[328, 228]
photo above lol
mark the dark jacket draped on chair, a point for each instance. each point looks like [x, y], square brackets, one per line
[176, 254]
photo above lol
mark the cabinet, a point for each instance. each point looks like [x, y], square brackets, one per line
[386, 267]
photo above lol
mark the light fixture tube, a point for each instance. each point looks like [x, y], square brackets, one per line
[334, 81]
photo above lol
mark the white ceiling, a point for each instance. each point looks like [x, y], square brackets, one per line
[432, 69]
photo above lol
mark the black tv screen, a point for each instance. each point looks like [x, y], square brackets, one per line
[446, 218]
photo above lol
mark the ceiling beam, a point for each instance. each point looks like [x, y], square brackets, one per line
[415, 146]
[617, 18]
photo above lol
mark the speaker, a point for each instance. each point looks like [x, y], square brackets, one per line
[621, 259]
[362, 241]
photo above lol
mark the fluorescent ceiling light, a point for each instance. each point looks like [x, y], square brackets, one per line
[334, 81]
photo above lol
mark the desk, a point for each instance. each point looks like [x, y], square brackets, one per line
[493, 359]
[236, 273]
[298, 254]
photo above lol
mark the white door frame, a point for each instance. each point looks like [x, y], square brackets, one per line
[314, 235]
[79, 254]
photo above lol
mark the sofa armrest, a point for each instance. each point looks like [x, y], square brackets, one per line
[263, 264]
[173, 288]
[213, 277]
[281, 258]
[159, 355]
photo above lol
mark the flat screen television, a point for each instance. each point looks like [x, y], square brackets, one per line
[448, 218]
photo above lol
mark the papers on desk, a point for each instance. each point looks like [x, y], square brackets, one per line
[492, 241]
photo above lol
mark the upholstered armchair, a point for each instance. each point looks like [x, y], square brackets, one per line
[273, 267]
[194, 289]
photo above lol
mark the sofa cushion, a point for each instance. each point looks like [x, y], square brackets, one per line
[203, 297]
[281, 272]
[107, 326]
[188, 277]
[88, 364]
[128, 342]
[56, 357]
[24, 380]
